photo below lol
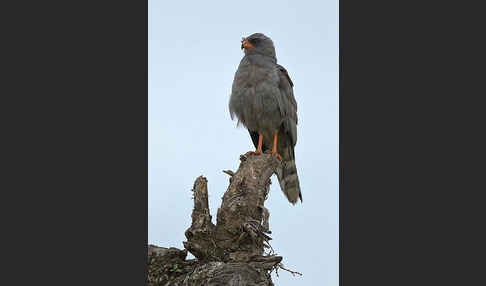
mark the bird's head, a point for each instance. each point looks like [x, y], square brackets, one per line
[258, 43]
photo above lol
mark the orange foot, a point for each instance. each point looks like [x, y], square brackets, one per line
[274, 149]
[259, 147]
[253, 153]
[274, 152]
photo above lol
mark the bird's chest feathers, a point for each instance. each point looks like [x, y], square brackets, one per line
[256, 95]
[252, 75]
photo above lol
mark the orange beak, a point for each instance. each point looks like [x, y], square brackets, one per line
[245, 44]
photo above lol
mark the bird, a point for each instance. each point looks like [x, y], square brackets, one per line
[262, 99]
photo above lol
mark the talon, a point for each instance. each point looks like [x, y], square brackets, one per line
[249, 153]
[271, 153]
[259, 147]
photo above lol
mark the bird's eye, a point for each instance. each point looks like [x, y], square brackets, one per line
[255, 41]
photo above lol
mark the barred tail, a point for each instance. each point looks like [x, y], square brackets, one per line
[287, 176]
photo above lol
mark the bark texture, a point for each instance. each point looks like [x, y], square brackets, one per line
[232, 251]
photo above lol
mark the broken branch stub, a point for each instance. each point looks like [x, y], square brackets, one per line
[199, 234]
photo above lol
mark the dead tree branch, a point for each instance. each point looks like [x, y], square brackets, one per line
[230, 252]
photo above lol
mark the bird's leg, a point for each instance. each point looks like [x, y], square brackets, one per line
[259, 147]
[260, 144]
[274, 149]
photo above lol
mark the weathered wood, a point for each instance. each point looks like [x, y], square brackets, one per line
[200, 235]
[232, 251]
[242, 219]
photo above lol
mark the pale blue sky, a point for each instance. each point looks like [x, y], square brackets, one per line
[194, 51]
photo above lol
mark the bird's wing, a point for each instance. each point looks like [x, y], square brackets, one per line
[287, 172]
[289, 105]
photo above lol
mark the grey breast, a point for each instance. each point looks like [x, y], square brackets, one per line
[255, 95]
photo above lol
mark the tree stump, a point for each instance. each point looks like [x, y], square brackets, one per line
[232, 251]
